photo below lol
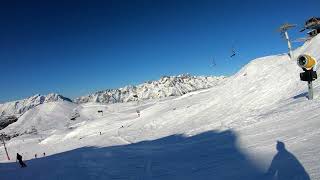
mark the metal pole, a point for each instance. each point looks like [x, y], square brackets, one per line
[310, 90]
[5, 148]
[289, 45]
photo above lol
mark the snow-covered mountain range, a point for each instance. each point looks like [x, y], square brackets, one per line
[21, 106]
[165, 87]
[10, 111]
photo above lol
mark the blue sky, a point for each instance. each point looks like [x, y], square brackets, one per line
[77, 47]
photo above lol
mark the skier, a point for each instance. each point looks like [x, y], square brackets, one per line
[35, 155]
[44, 154]
[19, 158]
[100, 133]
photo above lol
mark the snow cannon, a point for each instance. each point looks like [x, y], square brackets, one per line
[307, 63]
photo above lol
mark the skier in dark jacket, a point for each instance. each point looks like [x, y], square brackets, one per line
[19, 158]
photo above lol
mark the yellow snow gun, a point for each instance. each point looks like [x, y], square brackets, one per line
[306, 61]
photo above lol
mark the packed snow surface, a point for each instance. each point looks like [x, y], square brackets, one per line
[227, 132]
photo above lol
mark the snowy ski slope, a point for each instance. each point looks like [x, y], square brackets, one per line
[226, 132]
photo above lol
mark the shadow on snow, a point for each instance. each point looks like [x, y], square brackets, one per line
[210, 155]
[301, 95]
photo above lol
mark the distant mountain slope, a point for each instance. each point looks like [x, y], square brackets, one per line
[44, 117]
[10, 111]
[165, 87]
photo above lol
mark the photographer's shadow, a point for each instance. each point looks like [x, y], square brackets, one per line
[285, 166]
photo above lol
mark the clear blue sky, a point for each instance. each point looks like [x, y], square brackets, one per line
[77, 47]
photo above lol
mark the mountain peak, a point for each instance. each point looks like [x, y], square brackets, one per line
[19, 107]
[164, 87]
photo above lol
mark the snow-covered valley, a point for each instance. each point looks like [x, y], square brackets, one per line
[226, 132]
